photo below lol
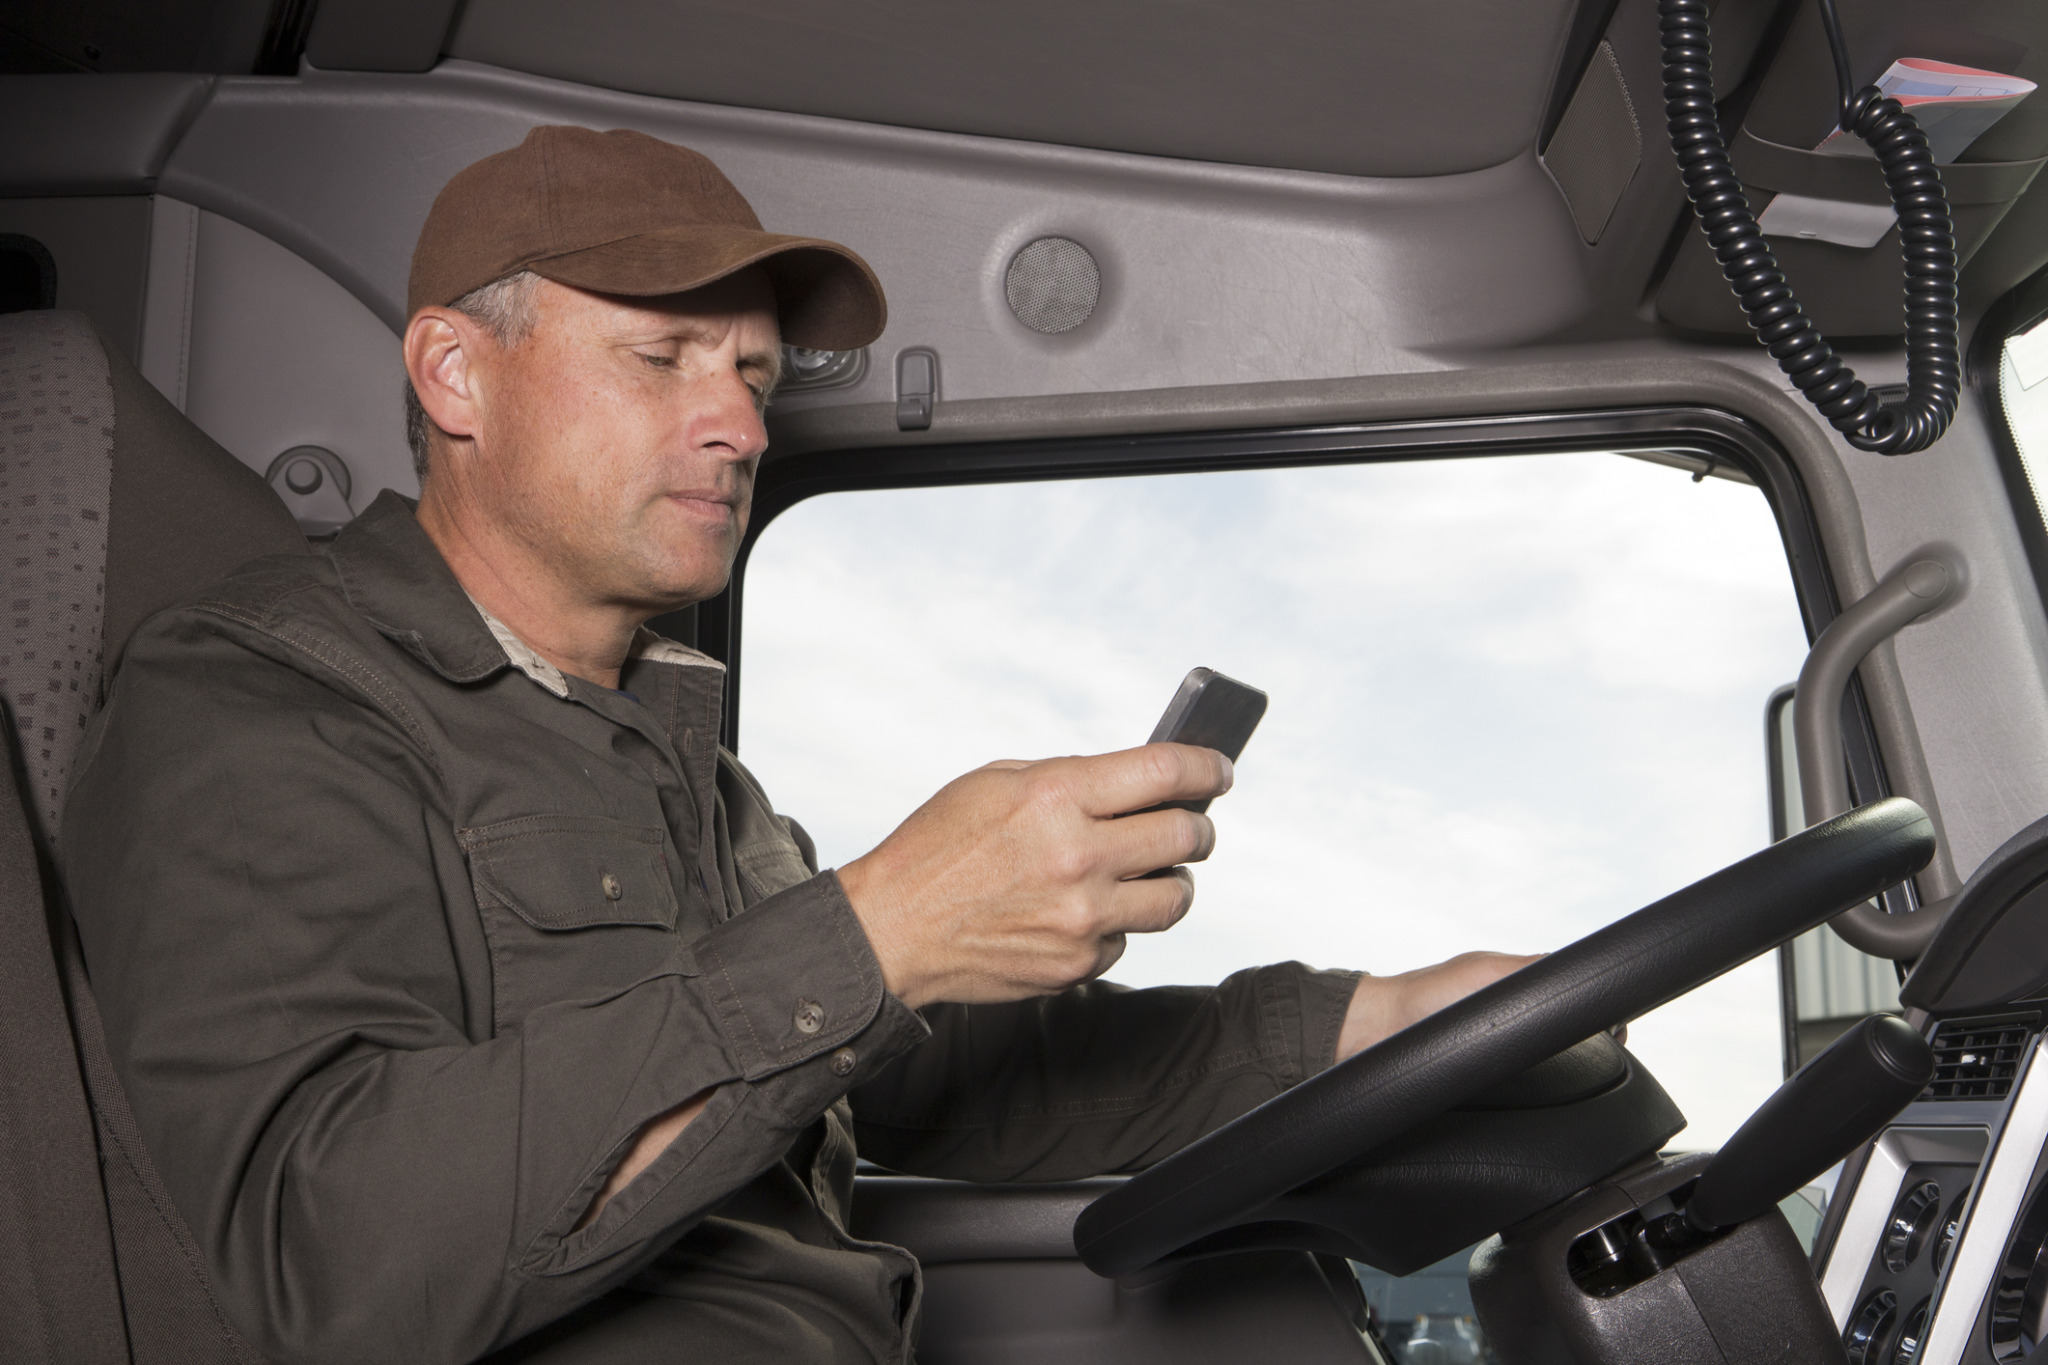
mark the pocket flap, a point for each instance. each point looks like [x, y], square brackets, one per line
[573, 871]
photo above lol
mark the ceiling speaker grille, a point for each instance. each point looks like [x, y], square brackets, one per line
[1053, 285]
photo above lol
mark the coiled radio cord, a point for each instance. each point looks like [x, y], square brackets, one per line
[1926, 234]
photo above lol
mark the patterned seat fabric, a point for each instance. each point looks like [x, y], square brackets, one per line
[56, 479]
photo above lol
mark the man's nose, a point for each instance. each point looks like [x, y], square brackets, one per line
[729, 416]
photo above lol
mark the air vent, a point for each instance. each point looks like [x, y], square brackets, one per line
[1979, 1059]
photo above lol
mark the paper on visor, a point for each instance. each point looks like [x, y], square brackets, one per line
[1955, 105]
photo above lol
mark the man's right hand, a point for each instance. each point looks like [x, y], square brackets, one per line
[1018, 879]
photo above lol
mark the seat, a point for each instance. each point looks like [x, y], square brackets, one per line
[112, 506]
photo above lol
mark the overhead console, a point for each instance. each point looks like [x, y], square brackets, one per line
[1854, 291]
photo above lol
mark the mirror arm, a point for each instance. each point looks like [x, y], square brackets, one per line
[1925, 582]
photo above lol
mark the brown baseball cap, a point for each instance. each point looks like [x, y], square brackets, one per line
[624, 213]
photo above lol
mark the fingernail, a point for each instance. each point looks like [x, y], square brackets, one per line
[1229, 772]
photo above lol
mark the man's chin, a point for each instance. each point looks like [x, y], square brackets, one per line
[680, 559]
[672, 587]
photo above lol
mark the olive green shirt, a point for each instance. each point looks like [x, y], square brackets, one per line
[401, 936]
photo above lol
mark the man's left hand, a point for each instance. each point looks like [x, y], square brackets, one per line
[1384, 1005]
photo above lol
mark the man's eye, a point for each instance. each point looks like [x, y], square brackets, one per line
[660, 362]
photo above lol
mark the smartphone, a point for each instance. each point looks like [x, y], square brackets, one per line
[1213, 711]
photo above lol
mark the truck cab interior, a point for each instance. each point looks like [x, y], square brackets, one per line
[1371, 272]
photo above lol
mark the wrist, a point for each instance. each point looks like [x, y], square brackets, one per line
[857, 884]
[1370, 1018]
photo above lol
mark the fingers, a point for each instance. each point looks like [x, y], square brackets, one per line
[1017, 878]
[1148, 905]
[1137, 779]
[1139, 844]
[1107, 953]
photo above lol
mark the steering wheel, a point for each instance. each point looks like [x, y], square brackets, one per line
[1607, 978]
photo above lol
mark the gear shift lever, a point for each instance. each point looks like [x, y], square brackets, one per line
[1833, 1104]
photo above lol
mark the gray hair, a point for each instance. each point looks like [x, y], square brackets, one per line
[504, 308]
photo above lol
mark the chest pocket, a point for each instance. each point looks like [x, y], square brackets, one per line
[573, 906]
[769, 866]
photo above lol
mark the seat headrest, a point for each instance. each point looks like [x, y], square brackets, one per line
[112, 507]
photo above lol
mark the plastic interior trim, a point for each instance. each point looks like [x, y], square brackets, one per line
[1891, 1156]
[1996, 1206]
[89, 135]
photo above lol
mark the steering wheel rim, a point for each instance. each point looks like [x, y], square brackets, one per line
[1606, 978]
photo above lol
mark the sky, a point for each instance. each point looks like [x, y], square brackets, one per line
[1512, 698]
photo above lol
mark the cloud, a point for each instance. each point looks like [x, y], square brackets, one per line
[1513, 698]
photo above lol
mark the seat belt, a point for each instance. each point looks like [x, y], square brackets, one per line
[59, 1301]
[174, 1317]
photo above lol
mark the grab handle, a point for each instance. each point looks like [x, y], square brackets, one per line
[1926, 581]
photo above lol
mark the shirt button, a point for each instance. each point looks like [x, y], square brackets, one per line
[810, 1016]
[612, 889]
[843, 1061]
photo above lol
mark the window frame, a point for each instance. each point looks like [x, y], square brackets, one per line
[1711, 434]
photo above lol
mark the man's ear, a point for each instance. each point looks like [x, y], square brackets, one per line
[440, 354]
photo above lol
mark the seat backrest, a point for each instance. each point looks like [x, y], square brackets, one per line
[112, 506]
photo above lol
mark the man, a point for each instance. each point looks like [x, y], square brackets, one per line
[469, 995]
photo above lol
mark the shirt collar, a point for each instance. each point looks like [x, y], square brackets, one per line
[394, 575]
[646, 645]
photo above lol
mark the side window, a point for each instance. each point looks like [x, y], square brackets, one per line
[1513, 698]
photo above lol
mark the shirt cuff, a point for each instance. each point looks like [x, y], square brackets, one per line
[1325, 1001]
[792, 979]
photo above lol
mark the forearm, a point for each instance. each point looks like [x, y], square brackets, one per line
[1097, 1079]
[654, 1137]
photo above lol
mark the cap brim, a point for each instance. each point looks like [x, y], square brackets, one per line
[826, 297]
